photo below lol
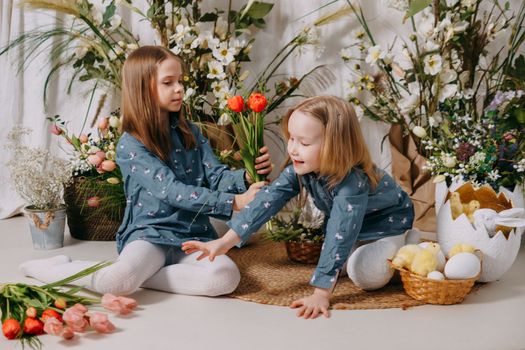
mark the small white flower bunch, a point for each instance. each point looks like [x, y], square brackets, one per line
[37, 175]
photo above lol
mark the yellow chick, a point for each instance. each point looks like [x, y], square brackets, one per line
[432, 246]
[470, 208]
[405, 255]
[456, 207]
[460, 248]
[424, 262]
[435, 248]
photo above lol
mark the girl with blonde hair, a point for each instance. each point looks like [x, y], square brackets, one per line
[172, 183]
[363, 205]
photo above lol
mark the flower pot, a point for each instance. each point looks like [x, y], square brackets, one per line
[499, 251]
[47, 227]
[304, 252]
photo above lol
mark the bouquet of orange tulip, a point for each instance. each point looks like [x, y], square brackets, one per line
[29, 311]
[248, 126]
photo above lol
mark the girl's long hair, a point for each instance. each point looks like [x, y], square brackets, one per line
[140, 106]
[344, 146]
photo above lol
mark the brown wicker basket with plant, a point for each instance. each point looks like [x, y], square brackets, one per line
[95, 198]
[300, 230]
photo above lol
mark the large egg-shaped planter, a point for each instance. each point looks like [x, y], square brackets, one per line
[499, 251]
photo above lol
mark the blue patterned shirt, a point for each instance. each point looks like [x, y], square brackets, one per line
[353, 212]
[170, 203]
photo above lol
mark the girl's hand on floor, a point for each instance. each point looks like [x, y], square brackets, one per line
[313, 306]
[241, 200]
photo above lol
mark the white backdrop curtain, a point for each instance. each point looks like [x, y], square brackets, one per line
[21, 92]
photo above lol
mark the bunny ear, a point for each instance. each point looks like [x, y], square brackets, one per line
[511, 222]
[512, 213]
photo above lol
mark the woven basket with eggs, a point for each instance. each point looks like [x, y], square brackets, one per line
[444, 291]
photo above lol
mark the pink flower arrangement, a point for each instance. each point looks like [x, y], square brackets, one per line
[94, 164]
[93, 154]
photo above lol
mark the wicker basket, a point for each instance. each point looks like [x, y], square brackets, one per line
[442, 292]
[87, 223]
[304, 252]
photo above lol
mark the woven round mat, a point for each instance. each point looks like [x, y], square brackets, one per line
[268, 277]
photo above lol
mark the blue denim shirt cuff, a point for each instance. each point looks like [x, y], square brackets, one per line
[323, 280]
[240, 182]
[224, 204]
[243, 233]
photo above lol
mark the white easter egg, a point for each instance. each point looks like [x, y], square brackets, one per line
[439, 255]
[462, 266]
[436, 275]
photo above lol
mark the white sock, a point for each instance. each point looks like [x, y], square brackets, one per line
[28, 267]
[192, 277]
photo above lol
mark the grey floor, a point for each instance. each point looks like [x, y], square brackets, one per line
[492, 318]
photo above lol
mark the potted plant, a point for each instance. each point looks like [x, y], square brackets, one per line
[300, 228]
[39, 178]
[94, 199]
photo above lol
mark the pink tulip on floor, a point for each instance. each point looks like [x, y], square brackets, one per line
[100, 323]
[68, 333]
[53, 326]
[74, 318]
[120, 305]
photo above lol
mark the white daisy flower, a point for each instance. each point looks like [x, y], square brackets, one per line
[374, 54]
[224, 54]
[432, 64]
[216, 70]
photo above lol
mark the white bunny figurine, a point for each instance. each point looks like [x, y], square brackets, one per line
[513, 217]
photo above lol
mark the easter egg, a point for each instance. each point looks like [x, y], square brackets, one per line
[436, 275]
[462, 266]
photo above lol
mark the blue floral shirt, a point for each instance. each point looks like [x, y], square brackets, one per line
[170, 203]
[353, 212]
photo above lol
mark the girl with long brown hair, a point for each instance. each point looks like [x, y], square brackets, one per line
[363, 205]
[172, 183]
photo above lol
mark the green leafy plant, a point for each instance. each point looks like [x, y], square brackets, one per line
[303, 223]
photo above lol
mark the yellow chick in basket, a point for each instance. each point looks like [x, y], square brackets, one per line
[405, 255]
[460, 248]
[424, 262]
[456, 207]
[470, 208]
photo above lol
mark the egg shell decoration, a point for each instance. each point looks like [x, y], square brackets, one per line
[462, 266]
[499, 251]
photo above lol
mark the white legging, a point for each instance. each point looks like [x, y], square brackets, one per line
[142, 264]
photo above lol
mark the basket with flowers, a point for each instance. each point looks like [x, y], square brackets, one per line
[95, 198]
